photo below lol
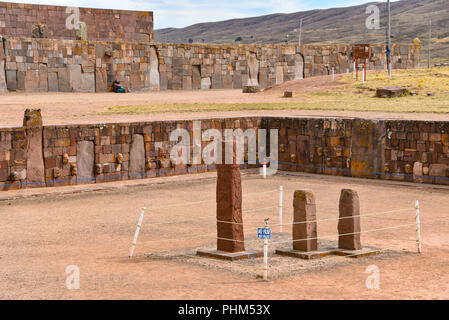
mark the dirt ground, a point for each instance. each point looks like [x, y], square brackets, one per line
[81, 108]
[42, 235]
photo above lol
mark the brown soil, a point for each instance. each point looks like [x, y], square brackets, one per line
[43, 235]
[80, 108]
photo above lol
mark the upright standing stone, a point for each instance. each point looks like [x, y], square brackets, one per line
[154, 76]
[299, 67]
[137, 157]
[304, 210]
[305, 233]
[85, 162]
[3, 86]
[253, 70]
[35, 173]
[349, 222]
[229, 212]
[229, 206]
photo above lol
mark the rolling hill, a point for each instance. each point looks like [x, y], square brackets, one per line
[410, 19]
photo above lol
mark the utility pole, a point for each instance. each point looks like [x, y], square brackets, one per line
[389, 39]
[430, 42]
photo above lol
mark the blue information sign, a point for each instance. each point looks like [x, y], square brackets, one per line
[264, 233]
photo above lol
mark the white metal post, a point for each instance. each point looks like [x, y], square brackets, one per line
[418, 227]
[354, 69]
[265, 260]
[281, 205]
[136, 235]
[265, 255]
[333, 74]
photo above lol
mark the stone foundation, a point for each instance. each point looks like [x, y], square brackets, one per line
[411, 151]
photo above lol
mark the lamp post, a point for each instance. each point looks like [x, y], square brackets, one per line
[389, 39]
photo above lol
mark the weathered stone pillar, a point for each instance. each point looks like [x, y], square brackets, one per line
[35, 176]
[229, 213]
[349, 222]
[305, 227]
[229, 206]
[304, 210]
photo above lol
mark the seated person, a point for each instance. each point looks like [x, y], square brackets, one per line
[116, 87]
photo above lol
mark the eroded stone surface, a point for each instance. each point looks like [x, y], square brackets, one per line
[137, 157]
[229, 207]
[253, 70]
[154, 70]
[349, 227]
[85, 162]
[304, 210]
[3, 86]
[35, 176]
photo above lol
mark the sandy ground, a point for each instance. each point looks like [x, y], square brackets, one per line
[42, 235]
[80, 108]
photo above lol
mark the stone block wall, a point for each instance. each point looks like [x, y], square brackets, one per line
[413, 151]
[119, 151]
[41, 65]
[17, 20]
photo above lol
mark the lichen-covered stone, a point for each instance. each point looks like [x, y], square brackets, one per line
[304, 221]
[349, 227]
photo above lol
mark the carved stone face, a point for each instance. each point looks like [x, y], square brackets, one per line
[282, 148]
[151, 165]
[319, 151]
[338, 152]
[425, 171]
[98, 169]
[14, 176]
[57, 172]
[387, 168]
[165, 163]
[119, 158]
[73, 169]
[293, 158]
[65, 158]
[408, 169]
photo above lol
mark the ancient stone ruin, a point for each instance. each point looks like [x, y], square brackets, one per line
[230, 236]
[43, 55]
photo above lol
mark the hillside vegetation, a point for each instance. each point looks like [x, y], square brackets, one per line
[410, 19]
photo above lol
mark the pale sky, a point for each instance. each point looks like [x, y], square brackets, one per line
[182, 13]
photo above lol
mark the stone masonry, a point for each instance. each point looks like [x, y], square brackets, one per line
[413, 151]
[20, 20]
[41, 65]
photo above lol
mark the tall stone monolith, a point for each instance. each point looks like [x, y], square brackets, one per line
[304, 219]
[229, 206]
[349, 227]
[35, 173]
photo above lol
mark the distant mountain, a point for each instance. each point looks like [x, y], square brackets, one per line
[410, 19]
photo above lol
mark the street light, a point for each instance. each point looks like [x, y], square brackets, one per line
[389, 39]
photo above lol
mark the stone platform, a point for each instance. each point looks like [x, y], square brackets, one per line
[221, 255]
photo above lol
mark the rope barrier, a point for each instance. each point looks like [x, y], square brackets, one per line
[206, 201]
[282, 242]
[346, 234]
[343, 218]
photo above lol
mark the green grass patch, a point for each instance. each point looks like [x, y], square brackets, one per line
[351, 96]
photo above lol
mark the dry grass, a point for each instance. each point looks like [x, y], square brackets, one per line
[353, 96]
